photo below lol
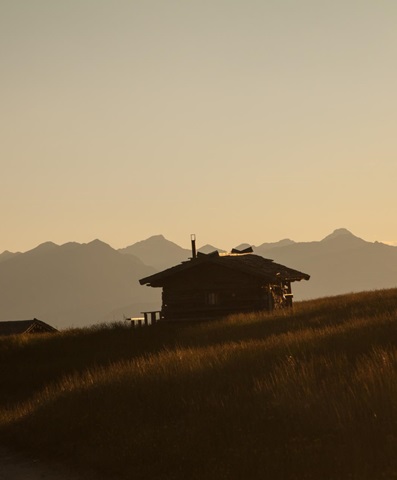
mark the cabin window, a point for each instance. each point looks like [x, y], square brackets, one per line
[212, 298]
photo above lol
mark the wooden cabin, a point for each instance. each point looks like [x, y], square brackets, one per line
[215, 285]
[18, 327]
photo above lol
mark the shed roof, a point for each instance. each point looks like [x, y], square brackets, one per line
[251, 264]
[17, 327]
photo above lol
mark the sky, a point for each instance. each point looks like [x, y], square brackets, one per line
[237, 120]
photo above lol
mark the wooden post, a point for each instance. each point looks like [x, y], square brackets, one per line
[288, 296]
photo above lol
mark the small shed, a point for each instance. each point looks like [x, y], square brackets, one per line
[215, 285]
[18, 327]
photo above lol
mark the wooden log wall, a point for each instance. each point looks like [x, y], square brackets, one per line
[183, 302]
[214, 291]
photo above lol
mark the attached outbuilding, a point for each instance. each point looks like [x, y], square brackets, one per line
[19, 327]
[215, 285]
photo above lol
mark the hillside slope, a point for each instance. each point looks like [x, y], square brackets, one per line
[298, 395]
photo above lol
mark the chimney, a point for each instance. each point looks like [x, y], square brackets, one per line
[193, 239]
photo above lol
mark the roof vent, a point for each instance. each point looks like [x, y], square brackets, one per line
[194, 251]
[215, 253]
[246, 250]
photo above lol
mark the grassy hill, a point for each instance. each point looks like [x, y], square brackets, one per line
[305, 394]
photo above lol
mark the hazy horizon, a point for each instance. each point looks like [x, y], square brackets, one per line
[187, 245]
[237, 121]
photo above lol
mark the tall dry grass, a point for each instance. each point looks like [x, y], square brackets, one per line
[304, 394]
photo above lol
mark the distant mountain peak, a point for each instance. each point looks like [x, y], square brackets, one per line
[44, 247]
[6, 255]
[47, 245]
[158, 252]
[285, 241]
[155, 241]
[339, 232]
[97, 242]
[97, 246]
[157, 237]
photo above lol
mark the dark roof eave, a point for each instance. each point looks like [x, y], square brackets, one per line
[290, 275]
[303, 277]
[160, 282]
[17, 327]
[296, 277]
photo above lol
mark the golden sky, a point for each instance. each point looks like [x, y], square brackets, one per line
[240, 121]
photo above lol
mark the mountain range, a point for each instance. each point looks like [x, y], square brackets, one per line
[82, 284]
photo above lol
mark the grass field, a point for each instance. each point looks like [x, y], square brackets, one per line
[309, 393]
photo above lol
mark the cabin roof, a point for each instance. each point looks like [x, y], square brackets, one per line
[16, 327]
[251, 264]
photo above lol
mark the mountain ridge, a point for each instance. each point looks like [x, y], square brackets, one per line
[72, 284]
[81, 284]
[159, 238]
